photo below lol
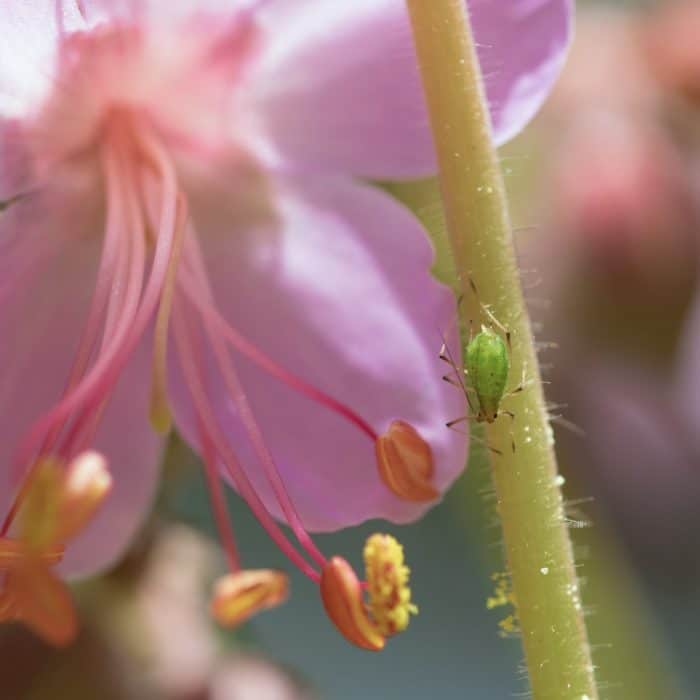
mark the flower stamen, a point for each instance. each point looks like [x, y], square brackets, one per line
[57, 505]
[389, 606]
[405, 463]
[245, 413]
[161, 419]
[341, 593]
[240, 595]
[243, 345]
[94, 387]
[209, 425]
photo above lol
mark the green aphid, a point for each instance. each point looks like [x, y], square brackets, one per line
[487, 363]
[486, 369]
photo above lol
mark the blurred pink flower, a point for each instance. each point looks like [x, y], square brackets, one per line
[200, 160]
[672, 47]
[621, 196]
[625, 209]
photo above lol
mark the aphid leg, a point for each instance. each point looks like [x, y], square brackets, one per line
[524, 384]
[457, 421]
[510, 415]
[481, 441]
[455, 377]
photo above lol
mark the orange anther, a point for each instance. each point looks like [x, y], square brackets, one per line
[342, 597]
[241, 595]
[405, 463]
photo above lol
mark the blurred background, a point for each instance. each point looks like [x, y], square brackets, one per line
[605, 186]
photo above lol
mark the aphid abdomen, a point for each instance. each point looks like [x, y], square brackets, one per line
[487, 366]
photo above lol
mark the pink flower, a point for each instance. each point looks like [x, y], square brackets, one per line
[188, 171]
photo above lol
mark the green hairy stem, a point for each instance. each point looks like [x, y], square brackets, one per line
[537, 545]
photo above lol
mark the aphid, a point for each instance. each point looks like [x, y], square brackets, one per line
[486, 368]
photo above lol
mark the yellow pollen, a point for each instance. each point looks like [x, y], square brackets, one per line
[503, 596]
[387, 584]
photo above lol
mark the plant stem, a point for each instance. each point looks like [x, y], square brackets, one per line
[537, 544]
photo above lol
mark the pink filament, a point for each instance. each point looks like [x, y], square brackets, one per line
[98, 381]
[192, 369]
[218, 502]
[112, 272]
[195, 284]
[96, 385]
[121, 309]
[245, 413]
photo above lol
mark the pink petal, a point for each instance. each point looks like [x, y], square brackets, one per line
[339, 293]
[522, 47]
[44, 295]
[30, 32]
[156, 10]
[338, 86]
[16, 164]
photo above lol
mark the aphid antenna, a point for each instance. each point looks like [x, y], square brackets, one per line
[489, 314]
